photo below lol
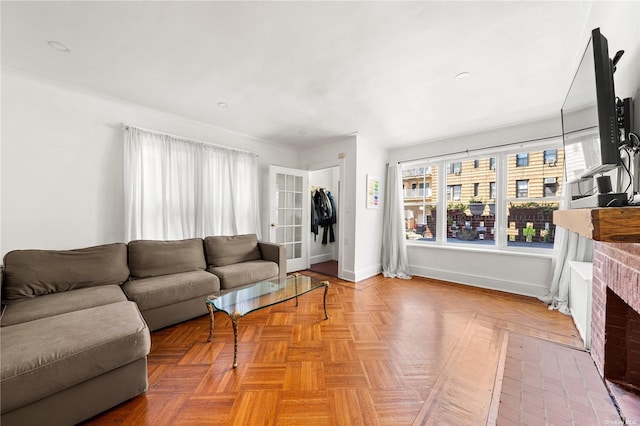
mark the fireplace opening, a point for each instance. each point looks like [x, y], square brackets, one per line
[622, 343]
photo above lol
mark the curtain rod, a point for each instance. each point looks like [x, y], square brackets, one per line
[128, 126]
[489, 148]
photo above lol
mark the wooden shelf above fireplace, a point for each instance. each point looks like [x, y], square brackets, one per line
[608, 224]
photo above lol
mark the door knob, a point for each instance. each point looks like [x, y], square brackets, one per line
[273, 225]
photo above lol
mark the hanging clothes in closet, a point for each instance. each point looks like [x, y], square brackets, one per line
[323, 214]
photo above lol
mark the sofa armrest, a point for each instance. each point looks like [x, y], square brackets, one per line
[275, 253]
[2, 306]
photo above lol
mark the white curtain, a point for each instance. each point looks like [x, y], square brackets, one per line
[567, 246]
[395, 263]
[176, 188]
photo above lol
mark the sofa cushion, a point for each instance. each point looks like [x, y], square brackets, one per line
[45, 356]
[154, 292]
[228, 250]
[31, 273]
[239, 274]
[153, 258]
[61, 303]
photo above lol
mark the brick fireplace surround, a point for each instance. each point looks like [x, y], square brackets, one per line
[615, 314]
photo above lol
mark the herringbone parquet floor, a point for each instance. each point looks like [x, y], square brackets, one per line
[393, 352]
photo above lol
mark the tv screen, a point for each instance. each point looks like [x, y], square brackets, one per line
[589, 121]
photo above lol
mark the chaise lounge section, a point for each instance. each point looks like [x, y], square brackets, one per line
[75, 324]
[72, 345]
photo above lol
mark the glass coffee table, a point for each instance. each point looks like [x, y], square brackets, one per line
[243, 301]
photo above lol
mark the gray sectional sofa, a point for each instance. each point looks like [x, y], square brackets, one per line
[75, 324]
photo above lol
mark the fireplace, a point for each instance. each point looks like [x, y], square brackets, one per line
[615, 326]
[615, 296]
[622, 344]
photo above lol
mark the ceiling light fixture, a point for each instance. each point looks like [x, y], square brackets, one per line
[223, 105]
[463, 75]
[58, 46]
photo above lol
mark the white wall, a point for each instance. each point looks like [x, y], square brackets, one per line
[506, 135]
[371, 161]
[520, 273]
[328, 155]
[360, 227]
[619, 22]
[62, 162]
[329, 180]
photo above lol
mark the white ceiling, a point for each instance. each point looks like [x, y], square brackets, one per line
[303, 72]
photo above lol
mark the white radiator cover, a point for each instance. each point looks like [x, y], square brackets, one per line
[580, 298]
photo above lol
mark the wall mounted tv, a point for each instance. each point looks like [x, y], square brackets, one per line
[589, 121]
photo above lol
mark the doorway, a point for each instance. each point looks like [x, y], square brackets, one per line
[324, 245]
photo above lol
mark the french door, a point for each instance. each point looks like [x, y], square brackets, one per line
[289, 203]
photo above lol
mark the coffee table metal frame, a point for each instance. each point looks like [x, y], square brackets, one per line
[243, 301]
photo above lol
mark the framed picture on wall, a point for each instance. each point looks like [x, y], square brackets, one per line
[373, 192]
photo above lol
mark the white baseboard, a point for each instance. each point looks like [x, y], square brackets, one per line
[525, 289]
[319, 258]
[348, 275]
[369, 272]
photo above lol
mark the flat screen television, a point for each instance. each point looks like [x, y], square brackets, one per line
[589, 121]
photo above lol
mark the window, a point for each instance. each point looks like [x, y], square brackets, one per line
[532, 196]
[454, 192]
[529, 195]
[454, 168]
[550, 187]
[470, 212]
[522, 160]
[420, 203]
[522, 188]
[550, 156]
[177, 188]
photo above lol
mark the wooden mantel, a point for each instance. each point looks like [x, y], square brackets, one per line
[609, 224]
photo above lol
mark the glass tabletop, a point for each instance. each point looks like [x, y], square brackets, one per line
[264, 294]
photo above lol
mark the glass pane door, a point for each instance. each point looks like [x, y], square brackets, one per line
[288, 212]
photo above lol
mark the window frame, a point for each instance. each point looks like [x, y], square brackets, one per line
[452, 169]
[522, 159]
[546, 185]
[492, 190]
[518, 188]
[453, 192]
[550, 158]
[498, 157]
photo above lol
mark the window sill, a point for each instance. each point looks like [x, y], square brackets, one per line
[522, 252]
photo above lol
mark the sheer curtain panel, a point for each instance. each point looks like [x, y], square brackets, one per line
[567, 246]
[177, 188]
[395, 262]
